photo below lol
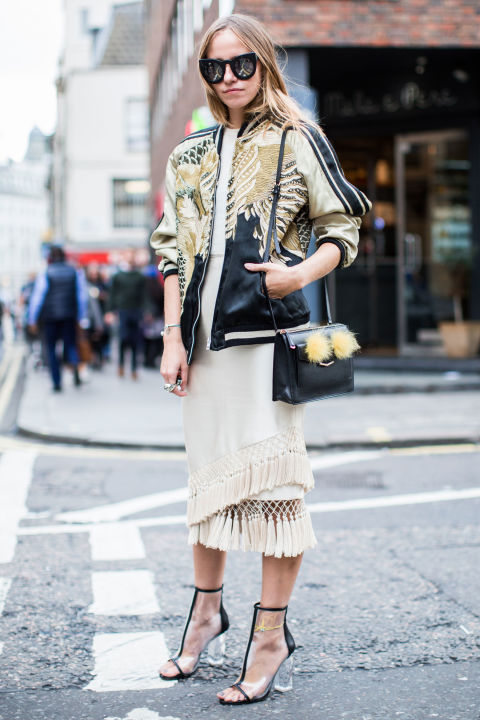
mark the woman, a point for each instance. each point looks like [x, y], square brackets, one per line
[248, 465]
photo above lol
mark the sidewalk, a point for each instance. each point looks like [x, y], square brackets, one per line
[387, 409]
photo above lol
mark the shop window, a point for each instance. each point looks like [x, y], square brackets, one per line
[130, 203]
[137, 125]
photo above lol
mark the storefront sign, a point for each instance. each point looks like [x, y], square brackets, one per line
[410, 97]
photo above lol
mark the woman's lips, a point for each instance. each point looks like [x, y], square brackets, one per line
[233, 90]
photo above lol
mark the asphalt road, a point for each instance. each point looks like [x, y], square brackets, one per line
[95, 583]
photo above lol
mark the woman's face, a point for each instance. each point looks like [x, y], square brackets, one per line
[234, 93]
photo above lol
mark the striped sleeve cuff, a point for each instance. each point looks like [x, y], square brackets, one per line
[167, 267]
[340, 246]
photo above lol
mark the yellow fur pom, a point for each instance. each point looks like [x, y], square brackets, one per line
[318, 347]
[344, 343]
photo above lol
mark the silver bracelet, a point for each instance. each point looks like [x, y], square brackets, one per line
[166, 329]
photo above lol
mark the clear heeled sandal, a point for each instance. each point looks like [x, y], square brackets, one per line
[259, 685]
[214, 647]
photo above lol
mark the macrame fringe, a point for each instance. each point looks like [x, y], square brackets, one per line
[284, 538]
[275, 462]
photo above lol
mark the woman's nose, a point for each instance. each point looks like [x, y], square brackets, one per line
[229, 76]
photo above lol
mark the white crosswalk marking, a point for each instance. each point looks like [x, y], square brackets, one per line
[115, 511]
[143, 714]
[16, 469]
[124, 592]
[128, 661]
[116, 541]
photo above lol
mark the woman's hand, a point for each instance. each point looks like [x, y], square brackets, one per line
[281, 280]
[284, 279]
[174, 361]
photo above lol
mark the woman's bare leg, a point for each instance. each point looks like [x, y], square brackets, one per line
[205, 623]
[268, 649]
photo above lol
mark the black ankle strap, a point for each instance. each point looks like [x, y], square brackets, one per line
[259, 607]
[208, 591]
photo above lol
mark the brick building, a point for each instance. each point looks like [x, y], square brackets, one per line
[396, 86]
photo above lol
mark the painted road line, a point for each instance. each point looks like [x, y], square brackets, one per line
[123, 592]
[334, 506]
[379, 434]
[73, 529]
[115, 511]
[436, 449]
[394, 500]
[143, 714]
[320, 462]
[4, 588]
[10, 382]
[129, 661]
[116, 541]
[72, 450]
[16, 470]
[7, 356]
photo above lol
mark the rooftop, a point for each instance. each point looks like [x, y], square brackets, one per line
[124, 41]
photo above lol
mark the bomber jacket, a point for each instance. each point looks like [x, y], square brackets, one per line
[314, 195]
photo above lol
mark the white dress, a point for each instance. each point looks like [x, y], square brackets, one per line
[247, 460]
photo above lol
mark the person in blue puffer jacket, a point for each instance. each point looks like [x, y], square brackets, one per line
[59, 300]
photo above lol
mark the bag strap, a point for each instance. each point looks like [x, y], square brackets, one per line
[272, 229]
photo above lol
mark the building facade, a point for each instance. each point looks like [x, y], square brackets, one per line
[24, 215]
[396, 86]
[101, 176]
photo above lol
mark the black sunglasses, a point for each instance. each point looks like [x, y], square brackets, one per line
[243, 67]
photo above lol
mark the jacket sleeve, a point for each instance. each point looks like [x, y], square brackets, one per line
[37, 299]
[82, 296]
[164, 237]
[335, 205]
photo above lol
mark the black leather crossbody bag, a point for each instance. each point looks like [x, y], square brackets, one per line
[314, 363]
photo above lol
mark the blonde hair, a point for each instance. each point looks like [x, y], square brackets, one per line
[272, 98]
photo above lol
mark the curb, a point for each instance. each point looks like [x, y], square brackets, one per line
[180, 447]
[423, 389]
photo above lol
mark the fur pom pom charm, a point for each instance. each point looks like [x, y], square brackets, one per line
[344, 343]
[318, 347]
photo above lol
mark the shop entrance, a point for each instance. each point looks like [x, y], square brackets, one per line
[413, 269]
[433, 236]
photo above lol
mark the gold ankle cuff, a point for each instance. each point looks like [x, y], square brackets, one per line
[263, 627]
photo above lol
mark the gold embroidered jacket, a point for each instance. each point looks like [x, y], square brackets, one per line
[314, 195]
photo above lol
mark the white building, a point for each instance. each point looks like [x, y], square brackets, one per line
[24, 215]
[101, 161]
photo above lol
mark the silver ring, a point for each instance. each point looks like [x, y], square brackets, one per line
[170, 387]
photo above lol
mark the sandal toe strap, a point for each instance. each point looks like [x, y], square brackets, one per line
[238, 687]
[174, 661]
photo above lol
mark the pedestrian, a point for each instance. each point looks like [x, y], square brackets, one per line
[127, 298]
[97, 328]
[153, 320]
[58, 302]
[248, 466]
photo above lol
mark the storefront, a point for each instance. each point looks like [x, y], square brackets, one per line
[406, 126]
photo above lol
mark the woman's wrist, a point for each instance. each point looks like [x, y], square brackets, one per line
[299, 273]
[170, 328]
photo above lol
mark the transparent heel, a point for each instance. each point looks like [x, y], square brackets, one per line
[284, 678]
[216, 651]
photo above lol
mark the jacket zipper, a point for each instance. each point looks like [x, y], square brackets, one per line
[205, 268]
